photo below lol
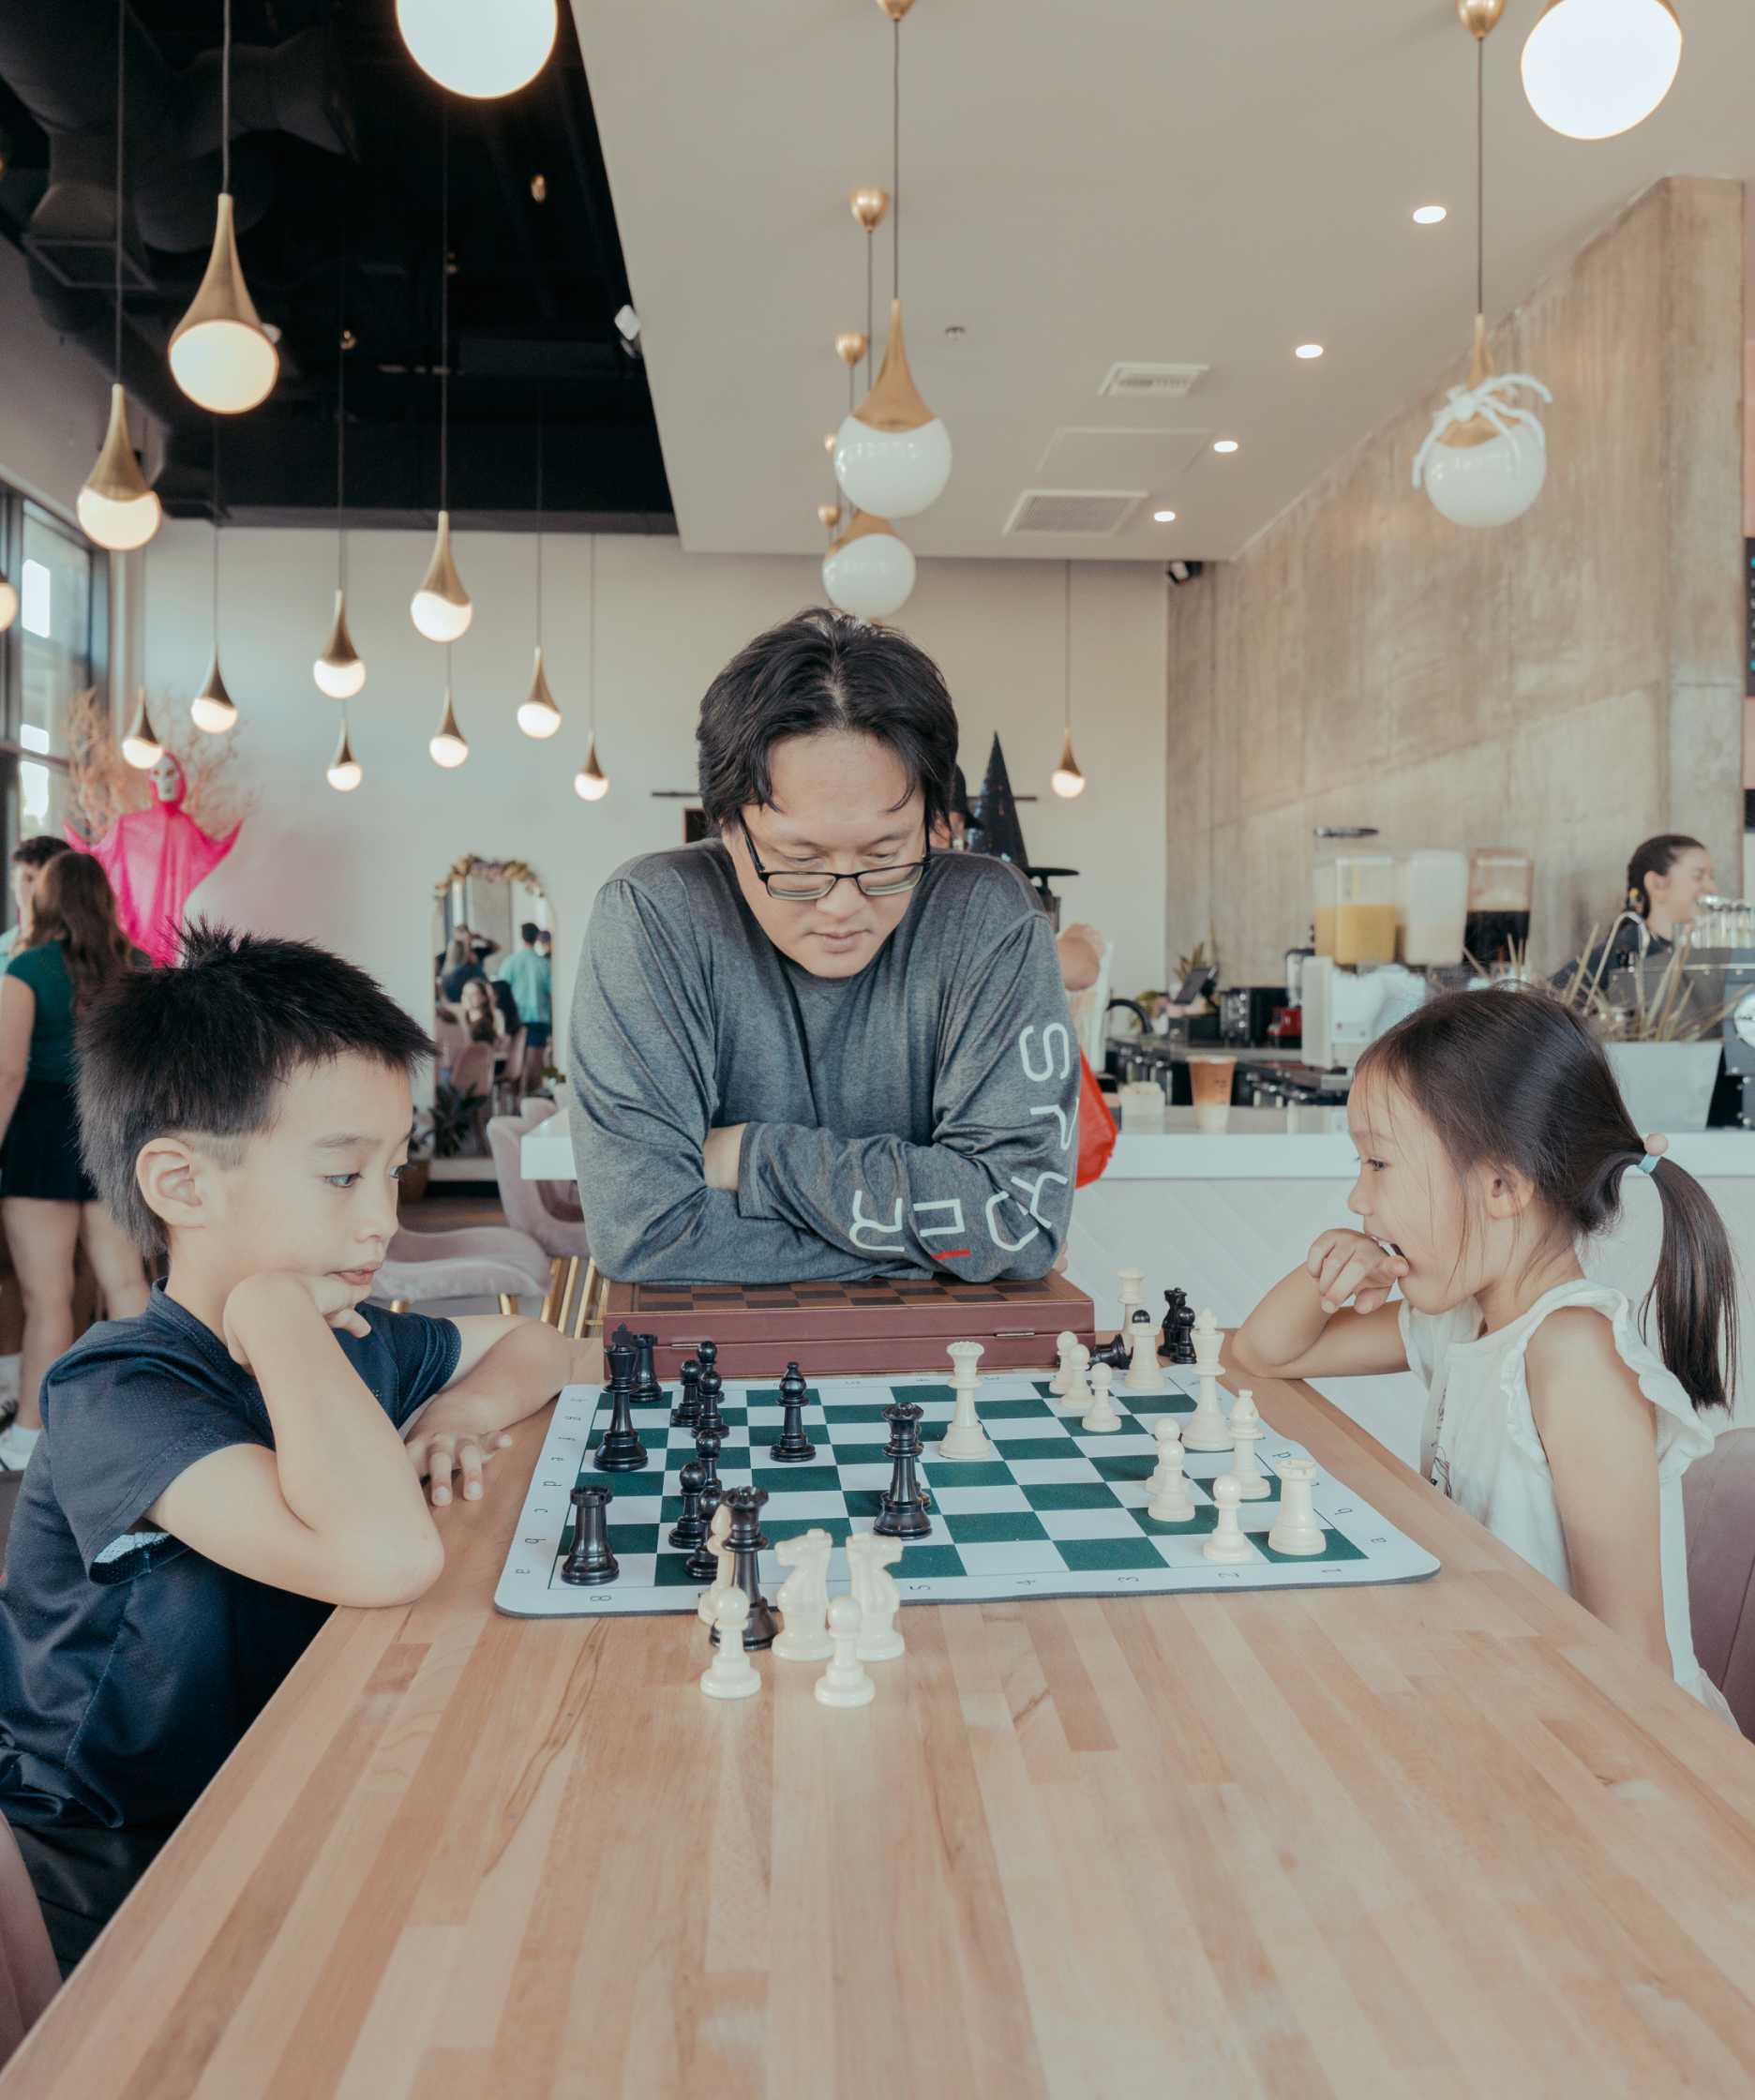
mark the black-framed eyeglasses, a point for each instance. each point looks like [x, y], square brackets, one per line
[791, 887]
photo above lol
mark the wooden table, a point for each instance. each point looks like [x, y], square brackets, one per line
[1449, 1838]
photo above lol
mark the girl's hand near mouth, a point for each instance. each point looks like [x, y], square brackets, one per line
[1349, 1265]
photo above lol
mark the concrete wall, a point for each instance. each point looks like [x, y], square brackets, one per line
[356, 871]
[1569, 684]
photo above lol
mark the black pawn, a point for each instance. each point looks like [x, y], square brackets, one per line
[620, 1451]
[647, 1392]
[902, 1512]
[713, 1488]
[747, 1542]
[691, 1526]
[591, 1560]
[710, 1421]
[794, 1446]
[1115, 1353]
[686, 1412]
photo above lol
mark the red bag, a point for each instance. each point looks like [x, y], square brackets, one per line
[1096, 1126]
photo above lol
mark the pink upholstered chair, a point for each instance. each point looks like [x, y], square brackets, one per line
[481, 1261]
[29, 1975]
[1718, 1494]
[450, 1035]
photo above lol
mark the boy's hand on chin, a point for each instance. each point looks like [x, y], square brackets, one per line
[335, 1302]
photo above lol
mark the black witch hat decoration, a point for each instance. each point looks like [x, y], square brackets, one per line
[997, 829]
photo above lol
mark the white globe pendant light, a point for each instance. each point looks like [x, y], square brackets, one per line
[591, 784]
[441, 609]
[868, 570]
[117, 509]
[481, 51]
[1593, 68]
[537, 715]
[892, 454]
[449, 745]
[344, 771]
[220, 356]
[340, 671]
[1068, 780]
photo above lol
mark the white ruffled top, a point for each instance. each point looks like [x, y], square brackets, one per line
[1481, 1449]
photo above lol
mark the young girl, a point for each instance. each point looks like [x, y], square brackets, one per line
[1492, 1142]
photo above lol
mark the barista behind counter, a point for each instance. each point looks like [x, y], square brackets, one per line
[1667, 878]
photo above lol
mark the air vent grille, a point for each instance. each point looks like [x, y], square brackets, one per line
[1086, 513]
[1152, 382]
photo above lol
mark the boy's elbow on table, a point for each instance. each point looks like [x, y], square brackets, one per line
[390, 1571]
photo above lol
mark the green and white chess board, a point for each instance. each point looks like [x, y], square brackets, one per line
[1061, 1514]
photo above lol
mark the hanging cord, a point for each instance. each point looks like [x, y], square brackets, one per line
[444, 307]
[1067, 625]
[896, 159]
[871, 310]
[590, 623]
[215, 534]
[539, 516]
[340, 442]
[225, 103]
[1480, 176]
[121, 134]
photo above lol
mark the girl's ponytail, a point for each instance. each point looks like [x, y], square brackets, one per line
[1695, 1291]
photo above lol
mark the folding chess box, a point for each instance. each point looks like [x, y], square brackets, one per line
[840, 1329]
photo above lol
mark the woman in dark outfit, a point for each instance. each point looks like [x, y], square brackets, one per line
[48, 1204]
[1667, 878]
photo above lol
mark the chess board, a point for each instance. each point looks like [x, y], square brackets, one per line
[1061, 1514]
[865, 1326]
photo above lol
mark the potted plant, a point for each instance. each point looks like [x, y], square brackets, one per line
[1663, 1043]
[412, 1185]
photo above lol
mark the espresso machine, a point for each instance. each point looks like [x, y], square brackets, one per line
[1345, 1009]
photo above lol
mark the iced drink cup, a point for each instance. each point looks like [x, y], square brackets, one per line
[1209, 1082]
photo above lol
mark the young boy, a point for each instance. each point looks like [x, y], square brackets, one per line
[218, 1472]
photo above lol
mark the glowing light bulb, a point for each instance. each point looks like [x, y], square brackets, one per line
[480, 52]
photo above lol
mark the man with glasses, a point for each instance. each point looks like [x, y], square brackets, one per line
[811, 1046]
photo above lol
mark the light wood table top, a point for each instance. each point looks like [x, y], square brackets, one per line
[1450, 1839]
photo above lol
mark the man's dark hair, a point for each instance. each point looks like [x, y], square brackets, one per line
[38, 852]
[202, 1051]
[528, 932]
[819, 672]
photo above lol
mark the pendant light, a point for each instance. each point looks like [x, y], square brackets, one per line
[892, 454]
[339, 672]
[591, 784]
[344, 773]
[117, 509]
[441, 609]
[868, 570]
[449, 745]
[538, 717]
[141, 746]
[1067, 780]
[1593, 68]
[1485, 458]
[479, 52]
[213, 709]
[219, 355]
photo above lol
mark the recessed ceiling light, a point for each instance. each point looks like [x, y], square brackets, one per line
[1308, 350]
[1163, 517]
[1430, 214]
[1224, 444]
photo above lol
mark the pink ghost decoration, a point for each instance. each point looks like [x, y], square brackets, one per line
[154, 858]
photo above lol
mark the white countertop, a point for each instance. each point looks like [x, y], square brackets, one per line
[1259, 1144]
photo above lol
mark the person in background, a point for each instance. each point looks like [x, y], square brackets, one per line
[1666, 879]
[30, 856]
[1493, 1143]
[460, 966]
[481, 1015]
[75, 951]
[247, 1449]
[545, 945]
[528, 975]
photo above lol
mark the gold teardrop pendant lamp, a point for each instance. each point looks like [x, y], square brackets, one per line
[449, 745]
[537, 715]
[1067, 779]
[345, 773]
[591, 784]
[340, 670]
[441, 609]
[141, 746]
[213, 710]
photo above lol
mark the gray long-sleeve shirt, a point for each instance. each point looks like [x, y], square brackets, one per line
[921, 1115]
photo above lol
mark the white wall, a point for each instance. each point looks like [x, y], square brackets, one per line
[356, 871]
[53, 399]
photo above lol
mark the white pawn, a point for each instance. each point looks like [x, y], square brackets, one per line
[869, 1561]
[1101, 1418]
[730, 1674]
[1065, 1343]
[1143, 1375]
[846, 1682]
[1132, 1287]
[803, 1599]
[1078, 1392]
[1245, 1433]
[716, 1530]
[1171, 1502]
[1226, 1541]
[1297, 1529]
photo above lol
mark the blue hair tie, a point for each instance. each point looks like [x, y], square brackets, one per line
[1648, 1163]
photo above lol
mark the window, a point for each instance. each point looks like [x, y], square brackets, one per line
[53, 650]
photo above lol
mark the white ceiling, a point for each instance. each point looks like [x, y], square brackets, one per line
[1085, 182]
